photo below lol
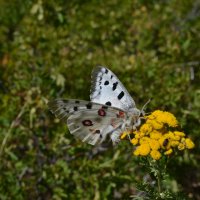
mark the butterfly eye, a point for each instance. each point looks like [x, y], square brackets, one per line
[141, 114]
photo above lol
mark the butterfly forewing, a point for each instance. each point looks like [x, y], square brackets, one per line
[107, 89]
[88, 121]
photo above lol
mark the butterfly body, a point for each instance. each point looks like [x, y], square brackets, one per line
[110, 112]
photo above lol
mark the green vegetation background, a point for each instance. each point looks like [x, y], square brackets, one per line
[48, 49]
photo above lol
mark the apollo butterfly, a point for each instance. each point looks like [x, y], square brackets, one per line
[110, 112]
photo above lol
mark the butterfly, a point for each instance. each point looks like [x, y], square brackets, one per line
[110, 111]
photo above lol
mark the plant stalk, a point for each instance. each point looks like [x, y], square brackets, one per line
[159, 182]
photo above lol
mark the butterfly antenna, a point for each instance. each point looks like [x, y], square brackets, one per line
[148, 113]
[142, 110]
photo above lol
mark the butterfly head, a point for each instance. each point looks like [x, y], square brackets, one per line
[138, 115]
[135, 117]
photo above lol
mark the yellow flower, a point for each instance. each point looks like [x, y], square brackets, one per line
[181, 146]
[189, 144]
[183, 140]
[176, 137]
[123, 135]
[164, 117]
[134, 141]
[136, 152]
[144, 140]
[157, 113]
[154, 144]
[134, 132]
[150, 117]
[155, 154]
[146, 128]
[168, 152]
[171, 136]
[137, 135]
[155, 124]
[178, 133]
[164, 141]
[170, 119]
[141, 134]
[174, 143]
[155, 135]
[144, 149]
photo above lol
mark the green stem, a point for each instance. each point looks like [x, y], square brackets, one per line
[159, 182]
[3, 144]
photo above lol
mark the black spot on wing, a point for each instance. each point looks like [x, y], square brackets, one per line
[89, 106]
[75, 108]
[108, 103]
[106, 71]
[106, 83]
[77, 101]
[121, 94]
[111, 76]
[114, 86]
[97, 131]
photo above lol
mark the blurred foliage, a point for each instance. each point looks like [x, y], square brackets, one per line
[48, 49]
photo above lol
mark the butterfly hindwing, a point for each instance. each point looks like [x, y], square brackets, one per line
[88, 121]
[63, 108]
[107, 89]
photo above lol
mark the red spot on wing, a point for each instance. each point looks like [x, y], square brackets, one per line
[120, 114]
[87, 122]
[101, 112]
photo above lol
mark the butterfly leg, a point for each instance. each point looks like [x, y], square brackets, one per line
[129, 137]
[129, 132]
[115, 137]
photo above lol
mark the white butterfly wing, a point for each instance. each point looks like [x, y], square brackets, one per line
[107, 89]
[90, 122]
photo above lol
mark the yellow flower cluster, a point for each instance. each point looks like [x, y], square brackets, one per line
[155, 139]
